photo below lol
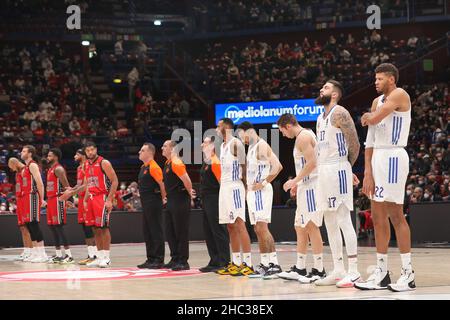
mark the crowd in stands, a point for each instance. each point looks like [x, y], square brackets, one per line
[297, 69]
[237, 14]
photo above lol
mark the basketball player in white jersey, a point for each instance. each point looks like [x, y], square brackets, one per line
[307, 217]
[385, 175]
[338, 149]
[232, 200]
[263, 167]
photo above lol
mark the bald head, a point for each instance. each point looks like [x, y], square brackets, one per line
[14, 164]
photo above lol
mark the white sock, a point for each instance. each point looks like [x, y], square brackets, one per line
[67, 251]
[27, 251]
[265, 259]
[59, 253]
[353, 265]
[406, 261]
[42, 251]
[95, 251]
[106, 254]
[248, 258]
[301, 261]
[34, 251]
[382, 261]
[339, 264]
[273, 258]
[101, 254]
[318, 262]
[237, 260]
[91, 251]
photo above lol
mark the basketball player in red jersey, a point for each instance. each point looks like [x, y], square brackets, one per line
[80, 189]
[33, 200]
[102, 185]
[15, 165]
[56, 208]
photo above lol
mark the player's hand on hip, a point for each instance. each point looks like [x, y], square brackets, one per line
[355, 180]
[368, 186]
[43, 204]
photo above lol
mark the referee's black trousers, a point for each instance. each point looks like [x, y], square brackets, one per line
[177, 225]
[216, 235]
[153, 227]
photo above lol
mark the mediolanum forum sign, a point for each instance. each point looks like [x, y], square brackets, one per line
[261, 112]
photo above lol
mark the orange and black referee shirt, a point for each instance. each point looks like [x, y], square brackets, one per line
[173, 170]
[210, 176]
[149, 176]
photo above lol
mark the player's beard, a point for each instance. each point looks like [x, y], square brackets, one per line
[323, 100]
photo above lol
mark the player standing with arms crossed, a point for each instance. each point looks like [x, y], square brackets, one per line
[385, 175]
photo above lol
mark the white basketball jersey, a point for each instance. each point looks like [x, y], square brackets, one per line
[331, 144]
[300, 161]
[392, 131]
[257, 170]
[229, 164]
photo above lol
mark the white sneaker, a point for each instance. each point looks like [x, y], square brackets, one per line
[378, 280]
[331, 280]
[293, 274]
[40, 259]
[93, 263]
[28, 258]
[104, 263]
[349, 280]
[21, 257]
[406, 282]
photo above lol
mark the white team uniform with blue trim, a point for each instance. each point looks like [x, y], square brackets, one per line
[307, 209]
[232, 190]
[335, 176]
[259, 202]
[390, 161]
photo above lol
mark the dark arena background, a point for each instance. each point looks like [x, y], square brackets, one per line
[121, 73]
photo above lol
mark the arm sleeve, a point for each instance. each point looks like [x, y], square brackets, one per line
[179, 168]
[370, 139]
[215, 167]
[156, 173]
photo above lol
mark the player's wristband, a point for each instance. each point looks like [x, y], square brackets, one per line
[264, 183]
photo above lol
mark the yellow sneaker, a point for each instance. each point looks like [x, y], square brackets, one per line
[85, 261]
[245, 270]
[225, 271]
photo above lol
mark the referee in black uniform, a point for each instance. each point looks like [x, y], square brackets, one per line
[179, 190]
[216, 235]
[153, 194]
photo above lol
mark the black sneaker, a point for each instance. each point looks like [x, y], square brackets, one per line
[293, 274]
[260, 271]
[170, 264]
[54, 260]
[273, 272]
[181, 266]
[313, 276]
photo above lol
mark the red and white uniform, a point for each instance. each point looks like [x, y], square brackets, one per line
[19, 204]
[98, 186]
[80, 180]
[31, 201]
[56, 209]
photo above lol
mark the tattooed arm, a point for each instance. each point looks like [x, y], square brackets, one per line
[341, 119]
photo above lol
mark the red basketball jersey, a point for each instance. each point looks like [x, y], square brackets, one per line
[80, 179]
[28, 183]
[54, 185]
[97, 181]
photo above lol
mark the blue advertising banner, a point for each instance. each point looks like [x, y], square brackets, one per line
[262, 112]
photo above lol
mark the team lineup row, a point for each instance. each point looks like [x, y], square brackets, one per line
[323, 186]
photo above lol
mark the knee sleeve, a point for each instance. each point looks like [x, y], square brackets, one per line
[345, 224]
[62, 235]
[35, 231]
